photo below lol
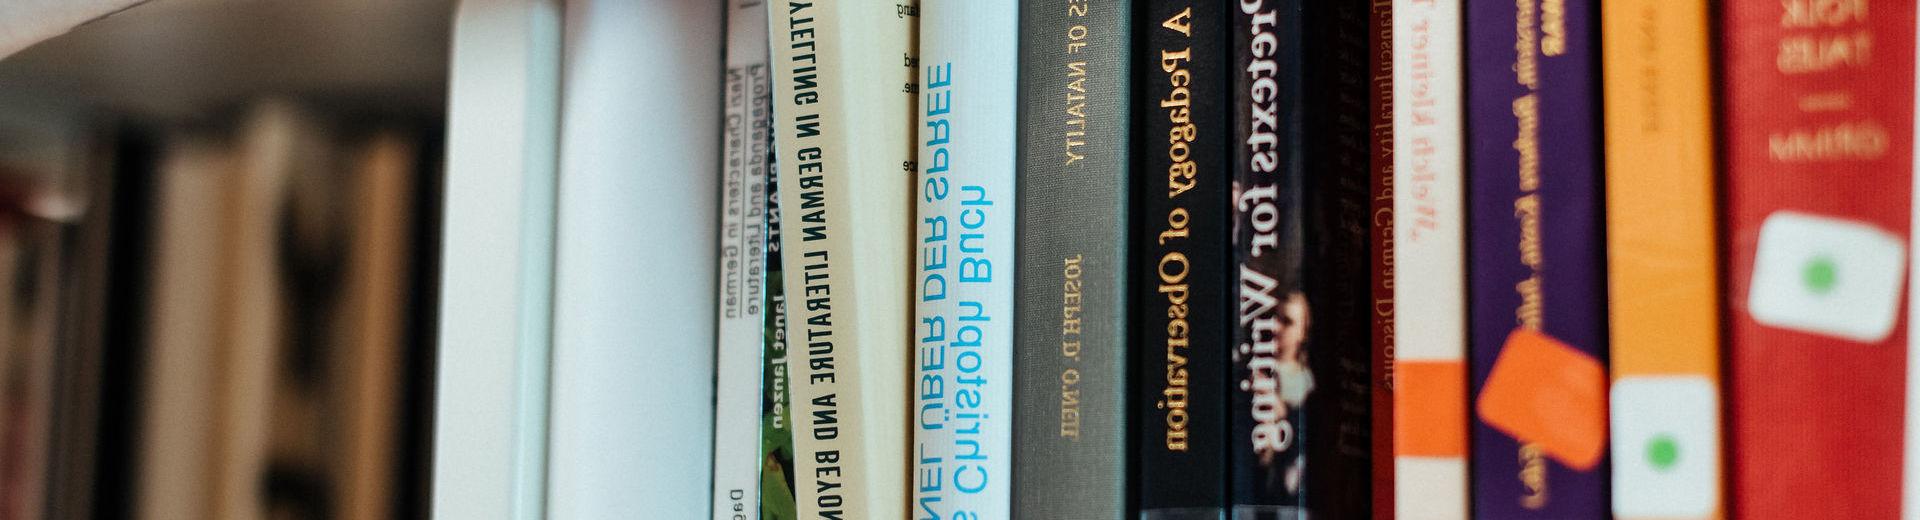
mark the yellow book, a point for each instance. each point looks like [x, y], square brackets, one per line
[1661, 269]
[843, 115]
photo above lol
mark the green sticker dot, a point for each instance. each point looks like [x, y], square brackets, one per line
[1819, 275]
[1662, 452]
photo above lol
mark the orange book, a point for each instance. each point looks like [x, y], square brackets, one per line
[1661, 256]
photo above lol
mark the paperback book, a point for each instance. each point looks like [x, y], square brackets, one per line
[843, 103]
[964, 239]
[742, 288]
[1537, 264]
[1429, 264]
[776, 419]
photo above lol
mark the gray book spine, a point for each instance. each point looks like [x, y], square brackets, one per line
[1070, 377]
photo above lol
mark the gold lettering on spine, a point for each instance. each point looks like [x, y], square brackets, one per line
[1075, 135]
[1526, 68]
[1173, 265]
[1526, 207]
[1071, 272]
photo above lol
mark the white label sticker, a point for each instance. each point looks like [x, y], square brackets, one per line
[1666, 452]
[1827, 276]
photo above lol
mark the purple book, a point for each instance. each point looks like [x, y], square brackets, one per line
[1537, 264]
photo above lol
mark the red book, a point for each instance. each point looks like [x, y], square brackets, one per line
[1380, 99]
[1818, 129]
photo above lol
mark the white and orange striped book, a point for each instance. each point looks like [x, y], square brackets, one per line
[1430, 299]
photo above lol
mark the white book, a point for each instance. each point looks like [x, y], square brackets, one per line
[963, 331]
[742, 263]
[490, 400]
[631, 419]
[1429, 259]
[843, 112]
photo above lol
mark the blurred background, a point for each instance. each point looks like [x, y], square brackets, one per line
[217, 238]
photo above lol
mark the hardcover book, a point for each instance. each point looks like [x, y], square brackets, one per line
[1537, 264]
[1819, 167]
[963, 328]
[844, 95]
[1303, 345]
[1662, 270]
[741, 264]
[1182, 259]
[1070, 337]
[1429, 280]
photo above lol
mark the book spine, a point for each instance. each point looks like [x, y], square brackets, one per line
[843, 103]
[494, 280]
[743, 219]
[1182, 259]
[637, 218]
[1429, 373]
[1818, 147]
[1662, 274]
[776, 416]
[1537, 295]
[1070, 386]
[1304, 344]
[963, 331]
[1380, 219]
[1910, 468]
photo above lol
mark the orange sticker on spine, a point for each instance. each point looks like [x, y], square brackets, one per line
[1430, 408]
[1544, 392]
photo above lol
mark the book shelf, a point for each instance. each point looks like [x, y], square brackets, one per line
[96, 119]
[558, 357]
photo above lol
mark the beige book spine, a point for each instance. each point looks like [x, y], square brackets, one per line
[176, 478]
[376, 322]
[844, 98]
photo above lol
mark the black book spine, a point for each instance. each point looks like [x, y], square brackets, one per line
[1303, 345]
[1070, 380]
[1183, 257]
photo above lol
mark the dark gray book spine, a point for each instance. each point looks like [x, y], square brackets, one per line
[1070, 387]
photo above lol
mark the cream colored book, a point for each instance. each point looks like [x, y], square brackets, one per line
[843, 76]
[177, 465]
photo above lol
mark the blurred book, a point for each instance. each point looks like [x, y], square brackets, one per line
[52, 263]
[281, 317]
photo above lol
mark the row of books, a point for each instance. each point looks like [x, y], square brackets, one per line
[215, 318]
[1287, 259]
